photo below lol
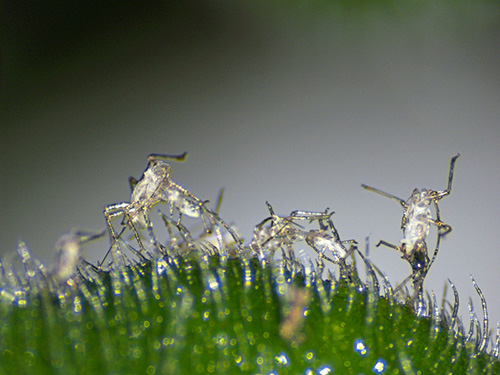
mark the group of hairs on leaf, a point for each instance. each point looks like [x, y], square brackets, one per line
[278, 240]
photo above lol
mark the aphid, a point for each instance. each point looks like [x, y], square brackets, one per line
[326, 240]
[211, 241]
[415, 223]
[277, 231]
[152, 188]
[68, 253]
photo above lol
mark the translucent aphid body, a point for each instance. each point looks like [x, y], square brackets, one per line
[416, 222]
[155, 186]
[212, 240]
[327, 243]
[277, 232]
[69, 251]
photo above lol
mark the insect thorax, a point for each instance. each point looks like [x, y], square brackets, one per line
[416, 222]
[154, 178]
[324, 243]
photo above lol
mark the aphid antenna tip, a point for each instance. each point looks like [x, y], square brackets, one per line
[181, 157]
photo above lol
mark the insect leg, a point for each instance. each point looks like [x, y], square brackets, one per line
[110, 212]
[351, 242]
[320, 252]
[186, 193]
[443, 228]
[311, 215]
[136, 233]
[113, 241]
[403, 283]
[334, 231]
[213, 228]
[438, 241]
[385, 243]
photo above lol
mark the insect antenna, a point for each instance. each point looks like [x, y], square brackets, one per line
[378, 191]
[181, 157]
[450, 176]
[219, 201]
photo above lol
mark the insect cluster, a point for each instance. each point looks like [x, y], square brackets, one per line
[280, 237]
[286, 232]
[135, 239]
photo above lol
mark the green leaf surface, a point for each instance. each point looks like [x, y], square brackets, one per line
[187, 315]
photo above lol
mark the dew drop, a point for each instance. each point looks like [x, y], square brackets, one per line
[282, 359]
[325, 370]
[239, 360]
[213, 284]
[309, 356]
[360, 348]
[380, 366]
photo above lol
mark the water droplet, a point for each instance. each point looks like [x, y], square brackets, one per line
[282, 359]
[206, 315]
[239, 360]
[325, 370]
[309, 356]
[380, 366]
[213, 284]
[360, 348]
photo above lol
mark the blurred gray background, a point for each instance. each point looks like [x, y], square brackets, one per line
[294, 103]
